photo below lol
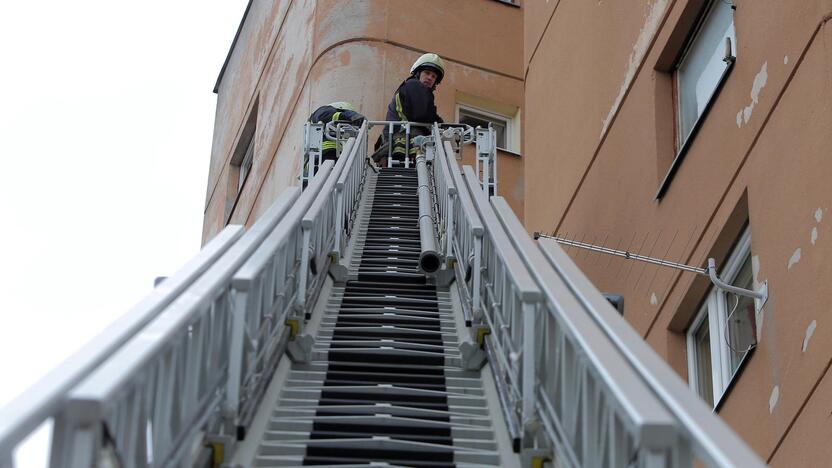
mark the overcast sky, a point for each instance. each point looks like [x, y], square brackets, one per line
[106, 116]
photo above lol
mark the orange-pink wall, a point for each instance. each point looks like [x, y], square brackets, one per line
[598, 139]
[293, 56]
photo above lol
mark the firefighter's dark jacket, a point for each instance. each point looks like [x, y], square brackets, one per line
[413, 102]
[326, 114]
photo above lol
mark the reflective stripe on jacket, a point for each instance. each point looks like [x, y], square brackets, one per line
[413, 102]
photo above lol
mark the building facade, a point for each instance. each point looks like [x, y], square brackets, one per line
[291, 56]
[680, 129]
[691, 129]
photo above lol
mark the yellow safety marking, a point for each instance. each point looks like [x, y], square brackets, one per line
[294, 325]
[336, 116]
[400, 109]
[481, 332]
[451, 263]
[328, 145]
[333, 257]
[218, 453]
[537, 462]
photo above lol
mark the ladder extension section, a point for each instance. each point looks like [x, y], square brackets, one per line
[388, 377]
[384, 384]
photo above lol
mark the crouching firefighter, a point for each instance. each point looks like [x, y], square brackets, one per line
[412, 102]
[340, 111]
[335, 112]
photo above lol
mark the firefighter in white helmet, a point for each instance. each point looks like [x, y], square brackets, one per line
[413, 101]
[335, 112]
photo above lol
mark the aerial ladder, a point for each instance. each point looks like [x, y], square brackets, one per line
[399, 316]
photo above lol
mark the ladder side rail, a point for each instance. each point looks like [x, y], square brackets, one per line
[711, 440]
[47, 397]
[265, 290]
[166, 380]
[169, 380]
[319, 226]
[348, 190]
[587, 392]
[467, 239]
[446, 194]
[313, 139]
[493, 158]
[510, 299]
[251, 329]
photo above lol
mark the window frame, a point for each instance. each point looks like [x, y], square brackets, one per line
[715, 309]
[509, 122]
[682, 145]
[245, 166]
[241, 164]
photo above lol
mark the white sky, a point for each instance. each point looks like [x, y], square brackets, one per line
[106, 116]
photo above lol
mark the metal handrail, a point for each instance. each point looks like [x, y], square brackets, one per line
[710, 438]
[46, 398]
[200, 366]
[167, 378]
[565, 330]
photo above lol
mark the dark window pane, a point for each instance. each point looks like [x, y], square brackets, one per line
[476, 119]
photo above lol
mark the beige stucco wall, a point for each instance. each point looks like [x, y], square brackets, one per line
[293, 56]
[598, 138]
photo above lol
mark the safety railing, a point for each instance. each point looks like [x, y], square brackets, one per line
[268, 315]
[348, 189]
[193, 362]
[279, 283]
[567, 386]
[593, 408]
[48, 397]
[463, 229]
[711, 441]
[577, 406]
[150, 400]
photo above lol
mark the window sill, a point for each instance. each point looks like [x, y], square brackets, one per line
[680, 155]
[509, 152]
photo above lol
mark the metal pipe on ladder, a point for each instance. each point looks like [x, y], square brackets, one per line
[429, 259]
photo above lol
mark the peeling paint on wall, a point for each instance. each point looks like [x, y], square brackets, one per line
[645, 35]
[759, 83]
[818, 219]
[772, 400]
[653, 299]
[810, 330]
[795, 258]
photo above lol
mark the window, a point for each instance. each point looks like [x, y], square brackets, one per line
[697, 59]
[481, 118]
[242, 161]
[723, 333]
[245, 165]
[700, 71]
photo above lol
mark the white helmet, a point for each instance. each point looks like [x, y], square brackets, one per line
[431, 61]
[343, 106]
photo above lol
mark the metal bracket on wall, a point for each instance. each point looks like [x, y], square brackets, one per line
[760, 297]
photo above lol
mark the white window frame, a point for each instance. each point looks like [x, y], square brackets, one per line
[684, 138]
[509, 122]
[702, 107]
[715, 309]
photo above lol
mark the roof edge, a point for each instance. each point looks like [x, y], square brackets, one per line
[231, 49]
